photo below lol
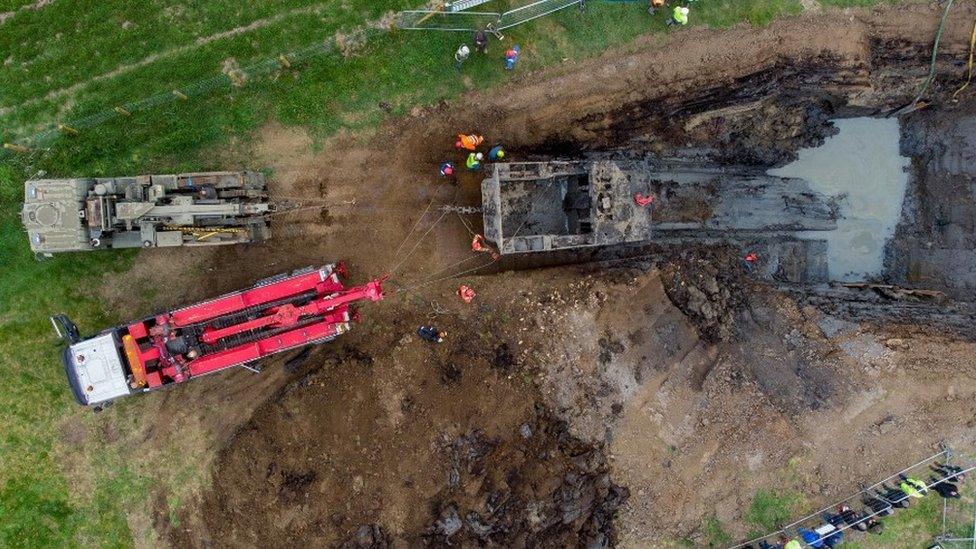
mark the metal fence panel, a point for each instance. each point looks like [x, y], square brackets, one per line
[533, 11]
[467, 21]
[461, 5]
[462, 21]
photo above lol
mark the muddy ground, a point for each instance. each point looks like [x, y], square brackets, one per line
[621, 403]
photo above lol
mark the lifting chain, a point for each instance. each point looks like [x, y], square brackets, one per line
[201, 230]
[463, 210]
[203, 233]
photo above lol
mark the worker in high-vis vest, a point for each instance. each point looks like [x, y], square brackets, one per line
[469, 142]
[913, 487]
[793, 544]
[496, 153]
[474, 161]
[679, 16]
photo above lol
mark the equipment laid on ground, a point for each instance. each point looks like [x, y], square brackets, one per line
[148, 211]
[285, 312]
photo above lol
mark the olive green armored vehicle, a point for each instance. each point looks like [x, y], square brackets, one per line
[147, 211]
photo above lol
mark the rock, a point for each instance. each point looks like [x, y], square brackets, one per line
[525, 431]
[598, 540]
[885, 425]
[369, 536]
[478, 526]
[450, 373]
[896, 343]
[711, 286]
[707, 311]
[449, 522]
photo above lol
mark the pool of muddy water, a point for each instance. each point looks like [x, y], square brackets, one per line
[861, 165]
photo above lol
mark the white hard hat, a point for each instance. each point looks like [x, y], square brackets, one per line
[479, 156]
[684, 10]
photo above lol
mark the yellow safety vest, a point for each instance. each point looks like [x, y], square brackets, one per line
[909, 490]
[680, 15]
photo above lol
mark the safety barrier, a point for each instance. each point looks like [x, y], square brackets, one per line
[532, 11]
[468, 21]
[790, 530]
[460, 21]
[460, 5]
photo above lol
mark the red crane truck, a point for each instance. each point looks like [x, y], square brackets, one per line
[284, 312]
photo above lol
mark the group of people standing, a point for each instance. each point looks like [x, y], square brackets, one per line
[880, 502]
[471, 143]
[678, 14]
[481, 38]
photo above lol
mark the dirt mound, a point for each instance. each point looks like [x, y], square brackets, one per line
[706, 288]
[543, 488]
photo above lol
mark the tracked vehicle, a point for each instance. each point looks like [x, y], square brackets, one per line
[191, 209]
[285, 312]
[566, 206]
[549, 206]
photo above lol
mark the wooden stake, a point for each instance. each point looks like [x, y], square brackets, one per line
[121, 110]
[67, 129]
[285, 63]
[181, 95]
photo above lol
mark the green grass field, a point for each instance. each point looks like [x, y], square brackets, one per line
[73, 58]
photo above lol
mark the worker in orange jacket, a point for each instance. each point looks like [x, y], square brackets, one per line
[468, 142]
[466, 294]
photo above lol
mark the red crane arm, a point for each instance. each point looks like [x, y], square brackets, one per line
[289, 315]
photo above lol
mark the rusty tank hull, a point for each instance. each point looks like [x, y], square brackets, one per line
[561, 206]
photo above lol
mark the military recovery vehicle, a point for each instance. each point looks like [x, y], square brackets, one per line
[149, 211]
[289, 311]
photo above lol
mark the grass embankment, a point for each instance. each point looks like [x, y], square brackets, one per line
[54, 55]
